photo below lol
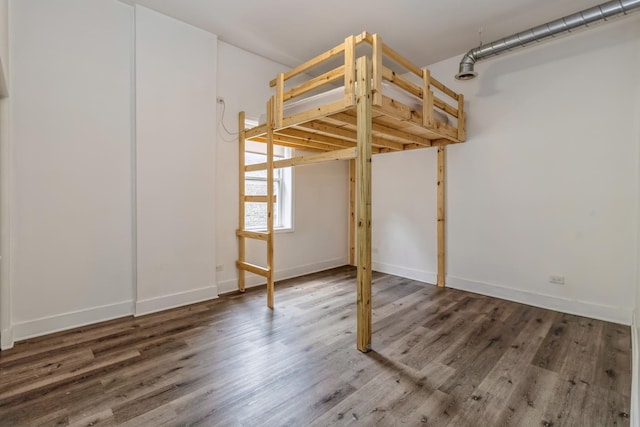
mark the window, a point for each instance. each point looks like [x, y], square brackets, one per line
[256, 185]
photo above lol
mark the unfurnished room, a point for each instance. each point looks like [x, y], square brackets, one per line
[296, 213]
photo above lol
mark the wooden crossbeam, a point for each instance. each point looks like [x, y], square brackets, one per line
[382, 129]
[253, 235]
[349, 134]
[344, 154]
[258, 199]
[252, 268]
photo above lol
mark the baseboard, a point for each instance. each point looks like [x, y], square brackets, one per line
[62, 322]
[252, 280]
[6, 339]
[635, 375]
[565, 305]
[581, 308]
[409, 273]
[165, 302]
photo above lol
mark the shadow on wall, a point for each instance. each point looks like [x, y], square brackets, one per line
[598, 38]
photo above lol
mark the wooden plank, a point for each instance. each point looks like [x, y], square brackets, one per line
[352, 212]
[306, 66]
[462, 132]
[338, 140]
[252, 235]
[427, 99]
[441, 216]
[304, 144]
[255, 131]
[363, 204]
[270, 283]
[278, 105]
[252, 268]
[399, 111]
[376, 56]
[343, 132]
[258, 199]
[383, 129]
[316, 82]
[344, 154]
[349, 71]
[436, 83]
[315, 113]
[401, 82]
[323, 57]
[445, 107]
[241, 192]
[401, 60]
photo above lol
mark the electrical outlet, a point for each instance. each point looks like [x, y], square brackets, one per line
[558, 280]
[219, 267]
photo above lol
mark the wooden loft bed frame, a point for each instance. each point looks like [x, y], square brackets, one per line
[362, 122]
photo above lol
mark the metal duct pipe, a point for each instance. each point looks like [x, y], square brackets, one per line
[544, 31]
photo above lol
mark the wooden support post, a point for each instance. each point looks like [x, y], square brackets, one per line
[352, 212]
[349, 71]
[442, 158]
[278, 106]
[363, 203]
[376, 56]
[241, 241]
[462, 134]
[270, 124]
[427, 99]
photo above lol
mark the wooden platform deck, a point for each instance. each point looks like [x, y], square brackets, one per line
[440, 357]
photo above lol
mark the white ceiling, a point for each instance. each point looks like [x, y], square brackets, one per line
[425, 31]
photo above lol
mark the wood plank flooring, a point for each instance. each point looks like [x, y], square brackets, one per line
[441, 357]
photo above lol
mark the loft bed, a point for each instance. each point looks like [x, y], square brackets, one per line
[353, 111]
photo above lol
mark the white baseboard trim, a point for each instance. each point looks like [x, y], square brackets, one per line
[581, 308]
[74, 319]
[165, 302]
[6, 339]
[565, 305]
[252, 280]
[635, 375]
[409, 273]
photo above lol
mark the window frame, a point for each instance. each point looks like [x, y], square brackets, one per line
[283, 178]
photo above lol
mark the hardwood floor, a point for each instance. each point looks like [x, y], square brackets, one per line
[441, 357]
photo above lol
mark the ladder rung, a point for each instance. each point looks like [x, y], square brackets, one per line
[255, 269]
[253, 235]
[259, 199]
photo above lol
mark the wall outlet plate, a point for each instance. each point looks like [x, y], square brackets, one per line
[558, 280]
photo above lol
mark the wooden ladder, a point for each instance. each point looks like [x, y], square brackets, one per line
[269, 199]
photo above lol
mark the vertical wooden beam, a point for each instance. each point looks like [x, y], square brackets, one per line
[427, 101]
[352, 212]
[442, 158]
[270, 125]
[279, 102]
[241, 241]
[462, 119]
[349, 70]
[363, 203]
[376, 56]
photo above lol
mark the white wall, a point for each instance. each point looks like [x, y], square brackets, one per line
[71, 166]
[547, 182]
[175, 140]
[319, 239]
